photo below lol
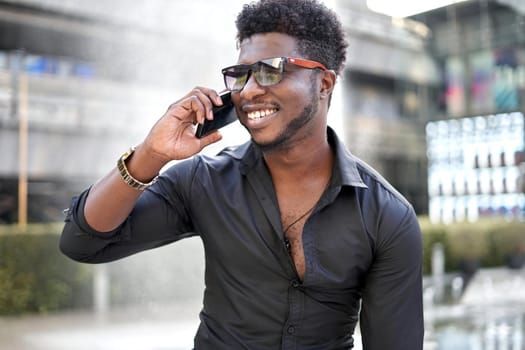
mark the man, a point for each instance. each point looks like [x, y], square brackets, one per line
[300, 236]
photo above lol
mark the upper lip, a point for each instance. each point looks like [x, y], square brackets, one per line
[247, 108]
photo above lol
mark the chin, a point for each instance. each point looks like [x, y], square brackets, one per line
[270, 145]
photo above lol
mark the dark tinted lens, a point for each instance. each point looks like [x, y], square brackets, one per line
[235, 77]
[268, 75]
[267, 72]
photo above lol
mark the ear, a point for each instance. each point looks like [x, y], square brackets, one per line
[328, 79]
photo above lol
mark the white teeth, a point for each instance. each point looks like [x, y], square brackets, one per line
[261, 113]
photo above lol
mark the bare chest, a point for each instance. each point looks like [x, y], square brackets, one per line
[297, 201]
[293, 220]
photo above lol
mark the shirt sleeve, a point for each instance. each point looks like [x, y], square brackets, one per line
[158, 218]
[392, 309]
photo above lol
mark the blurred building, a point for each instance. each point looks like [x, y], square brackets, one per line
[391, 84]
[89, 79]
[476, 140]
[427, 76]
[82, 81]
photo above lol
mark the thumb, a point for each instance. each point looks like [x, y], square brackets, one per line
[212, 137]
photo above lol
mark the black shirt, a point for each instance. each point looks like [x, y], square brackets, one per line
[362, 247]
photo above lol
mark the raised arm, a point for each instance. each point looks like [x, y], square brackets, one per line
[114, 218]
[111, 199]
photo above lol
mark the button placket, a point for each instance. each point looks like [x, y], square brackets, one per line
[296, 305]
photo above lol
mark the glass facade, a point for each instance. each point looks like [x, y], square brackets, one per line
[484, 81]
[475, 142]
[474, 167]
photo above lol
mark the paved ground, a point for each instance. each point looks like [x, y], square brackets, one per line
[172, 327]
[151, 328]
[495, 286]
[490, 314]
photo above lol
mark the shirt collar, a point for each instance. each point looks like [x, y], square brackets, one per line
[345, 172]
[345, 167]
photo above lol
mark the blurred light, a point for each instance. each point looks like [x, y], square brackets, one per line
[330, 4]
[405, 8]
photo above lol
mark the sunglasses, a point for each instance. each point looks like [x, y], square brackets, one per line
[267, 72]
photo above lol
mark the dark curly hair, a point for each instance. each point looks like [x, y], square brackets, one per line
[317, 29]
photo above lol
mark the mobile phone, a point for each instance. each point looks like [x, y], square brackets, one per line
[222, 116]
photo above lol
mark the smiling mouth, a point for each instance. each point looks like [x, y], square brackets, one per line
[261, 113]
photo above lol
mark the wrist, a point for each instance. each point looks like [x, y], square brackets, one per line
[147, 153]
[135, 179]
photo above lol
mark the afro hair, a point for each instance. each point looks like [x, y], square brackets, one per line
[319, 33]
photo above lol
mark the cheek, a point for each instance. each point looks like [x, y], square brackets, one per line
[300, 92]
[236, 99]
[236, 102]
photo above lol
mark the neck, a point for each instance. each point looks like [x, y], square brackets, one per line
[302, 161]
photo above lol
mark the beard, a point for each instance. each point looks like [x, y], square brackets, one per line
[285, 137]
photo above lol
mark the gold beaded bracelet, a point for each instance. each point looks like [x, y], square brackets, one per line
[126, 176]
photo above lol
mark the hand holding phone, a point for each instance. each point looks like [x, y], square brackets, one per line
[222, 116]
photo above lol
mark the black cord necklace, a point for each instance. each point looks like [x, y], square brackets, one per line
[307, 212]
[299, 219]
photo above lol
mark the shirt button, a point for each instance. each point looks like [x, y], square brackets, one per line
[295, 283]
[291, 330]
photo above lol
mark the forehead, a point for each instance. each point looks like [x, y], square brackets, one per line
[265, 45]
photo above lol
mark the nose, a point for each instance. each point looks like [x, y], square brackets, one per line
[252, 88]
